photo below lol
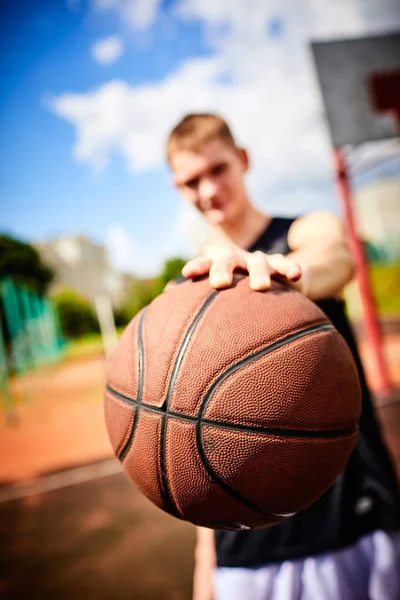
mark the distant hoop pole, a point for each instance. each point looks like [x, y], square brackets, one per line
[107, 324]
[370, 317]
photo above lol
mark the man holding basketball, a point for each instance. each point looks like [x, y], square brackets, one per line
[347, 545]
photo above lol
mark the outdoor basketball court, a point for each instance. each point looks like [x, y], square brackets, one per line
[96, 539]
[85, 531]
[81, 530]
[72, 525]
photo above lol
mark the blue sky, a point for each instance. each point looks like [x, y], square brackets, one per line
[45, 192]
[90, 88]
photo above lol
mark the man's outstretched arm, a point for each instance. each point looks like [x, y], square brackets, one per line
[319, 265]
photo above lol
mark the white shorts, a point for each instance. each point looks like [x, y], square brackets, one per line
[368, 570]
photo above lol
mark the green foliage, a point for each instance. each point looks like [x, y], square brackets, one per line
[121, 316]
[385, 280]
[372, 252]
[76, 314]
[385, 252]
[22, 263]
[143, 291]
[140, 293]
[172, 269]
[385, 283]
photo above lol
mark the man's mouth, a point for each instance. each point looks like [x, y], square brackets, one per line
[213, 206]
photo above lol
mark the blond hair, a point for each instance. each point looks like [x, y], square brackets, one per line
[196, 129]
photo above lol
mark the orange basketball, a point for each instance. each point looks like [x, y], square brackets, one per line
[232, 409]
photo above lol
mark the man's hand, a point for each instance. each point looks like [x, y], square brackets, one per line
[221, 261]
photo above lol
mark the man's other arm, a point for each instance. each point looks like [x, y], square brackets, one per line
[319, 245]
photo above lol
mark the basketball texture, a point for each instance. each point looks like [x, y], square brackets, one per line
[232, 409]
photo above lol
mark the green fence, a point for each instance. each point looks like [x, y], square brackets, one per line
[29, 334]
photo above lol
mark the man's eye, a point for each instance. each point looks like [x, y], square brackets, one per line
[192, 184]
[218, 169]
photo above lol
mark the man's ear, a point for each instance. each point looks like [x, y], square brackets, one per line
[244, 158]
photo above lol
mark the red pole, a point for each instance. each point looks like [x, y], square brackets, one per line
[371, 322]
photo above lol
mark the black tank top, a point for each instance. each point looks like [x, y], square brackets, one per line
[364, 498]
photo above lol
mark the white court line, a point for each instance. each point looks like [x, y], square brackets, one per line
[57, 481]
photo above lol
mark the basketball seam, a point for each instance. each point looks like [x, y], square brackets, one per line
[178, 361]
[231, 491]
[234, 493]
[199, 426]
[182, 350]
[288, 432]
[126, 434]
[199, 420]
[260, 353]
[129, 441]
[277, 431]
[259, 348]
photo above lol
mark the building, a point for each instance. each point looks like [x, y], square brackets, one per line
[82, 265]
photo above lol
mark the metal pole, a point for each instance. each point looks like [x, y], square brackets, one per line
[371, 323]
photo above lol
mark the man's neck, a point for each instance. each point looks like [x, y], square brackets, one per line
[248, 228]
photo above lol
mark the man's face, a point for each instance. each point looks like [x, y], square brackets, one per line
[212, 180]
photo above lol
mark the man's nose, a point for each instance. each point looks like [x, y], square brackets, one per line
[207, 188]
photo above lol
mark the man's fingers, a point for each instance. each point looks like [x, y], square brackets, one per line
[259, 271]
[284, 266]
[197, 267]
[221, 271]
[221, 263]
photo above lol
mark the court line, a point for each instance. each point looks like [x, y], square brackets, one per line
[57, 481]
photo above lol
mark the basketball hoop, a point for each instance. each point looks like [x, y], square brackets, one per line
[360, 85]
[384, 90]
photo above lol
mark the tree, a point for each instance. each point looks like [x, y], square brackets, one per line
[22, 262]
[142, 291]
[76, 314]
[172, 269]
[139, 294]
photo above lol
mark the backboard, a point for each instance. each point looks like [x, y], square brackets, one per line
[360, 84]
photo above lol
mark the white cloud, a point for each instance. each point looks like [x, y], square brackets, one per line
[107, 50]
[127, 256]
[189, 233]
[139, 14]
[122, 250]
[309, 17]
[134, 121]
[263, 85]
[185, 238]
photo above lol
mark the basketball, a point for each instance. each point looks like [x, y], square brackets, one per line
[232, 409]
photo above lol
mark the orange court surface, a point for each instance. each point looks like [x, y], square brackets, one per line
[60, 421]
[72, 523]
